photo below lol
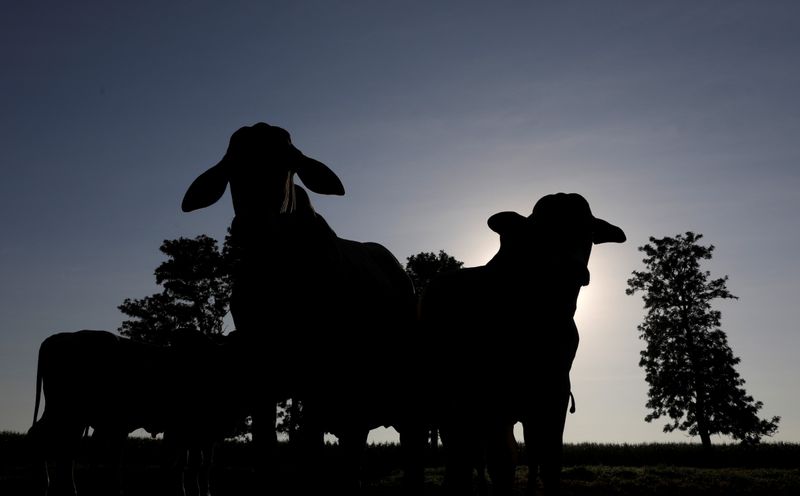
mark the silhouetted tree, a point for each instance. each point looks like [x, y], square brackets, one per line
[196, 295]
[688, 362]
[424, 265]
[421, 268]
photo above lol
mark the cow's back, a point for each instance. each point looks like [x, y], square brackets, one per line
[78, 371]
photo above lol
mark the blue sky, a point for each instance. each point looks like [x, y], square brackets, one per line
[666, 116]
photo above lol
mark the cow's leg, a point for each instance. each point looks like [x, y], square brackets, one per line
[351, 445]
[459, 447]
[544, 430]
[310, 449]
[65, 442]
[63, 481]
[176, 459]
[265, 442]
[56, 444]
[413, 444]
[501, 450]
[204, 471]
[110, 445]
[38, 437]
[481, 483]
[553, 445]
[553, 440]
[192, 475]
[197, 475]
[533, 447]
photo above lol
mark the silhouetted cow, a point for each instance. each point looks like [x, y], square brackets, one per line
[339, 313]
[507, 339]
[192, 392]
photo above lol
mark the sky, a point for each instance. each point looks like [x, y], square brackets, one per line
[666, 116]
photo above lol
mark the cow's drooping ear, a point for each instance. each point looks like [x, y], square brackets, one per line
[506, 222]
[605, 232]
[317, 176]
[207, 188]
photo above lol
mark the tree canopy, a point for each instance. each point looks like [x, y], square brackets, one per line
[196, 293]
[423, 266]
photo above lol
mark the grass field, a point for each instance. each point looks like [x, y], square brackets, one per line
[590, 469]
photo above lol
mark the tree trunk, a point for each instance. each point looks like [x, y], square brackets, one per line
[706, 440]
[701, 416]
[700, 413]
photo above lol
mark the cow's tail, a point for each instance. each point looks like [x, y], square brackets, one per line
[38, 383]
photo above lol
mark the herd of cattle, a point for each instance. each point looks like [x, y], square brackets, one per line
[336, 324]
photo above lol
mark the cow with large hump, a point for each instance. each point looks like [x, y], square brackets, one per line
[506, 338]
[331, 319]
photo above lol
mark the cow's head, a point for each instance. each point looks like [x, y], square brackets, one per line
[561, 226]
[260, 165]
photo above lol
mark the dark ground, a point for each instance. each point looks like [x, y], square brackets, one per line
[590, 469]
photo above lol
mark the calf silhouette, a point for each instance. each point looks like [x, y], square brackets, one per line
[191, 392]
